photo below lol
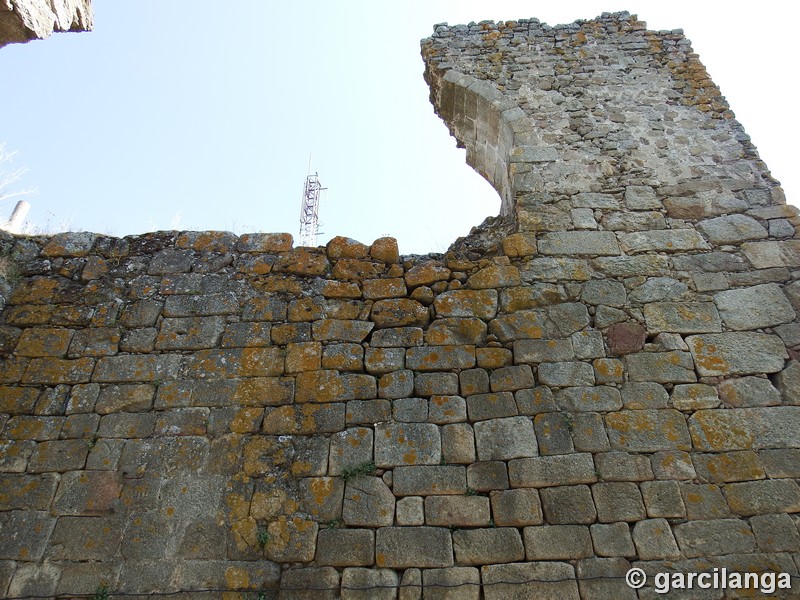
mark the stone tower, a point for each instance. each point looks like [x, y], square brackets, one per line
[604, 377]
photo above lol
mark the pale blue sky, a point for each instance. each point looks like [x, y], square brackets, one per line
[202, 115]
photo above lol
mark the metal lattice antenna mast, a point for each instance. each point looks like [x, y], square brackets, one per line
[309, 211]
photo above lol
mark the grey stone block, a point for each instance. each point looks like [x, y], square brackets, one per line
[563, 374]
[704, 501]
[410, 510]
[662, 240]
[618, 501]
[481, 407]
[604, 291]
[612, 539]
[623, 466]
[350, 448]
[410, 410]
[545, 471]
[589, 399]
[658, 289]
[737, 353]
[505, 439]
[604, 579]
[345, 547]
[407, 444]
[458, 443]
[775, 533]
[421, 547]
[432, 384]
[694, 396]
[663, 499]
[754, 307]
[447, 409]
[454, 583]
[359, 583]
[682, 317]
[487, 476]
[662, 367]
[488, 546]
[520, 581]
[425, 481]
[553, 433]
[310, 584]
[594, 243]
[714, 538]
[589, 433]
[746, 428]
[510, 379]
[537, 351]
[761, 497]
[648, 430]
[654, 540]
[732, 229]
[557, 542]
[368, 502]
[457, 511]
[516, 508]
[566, 505]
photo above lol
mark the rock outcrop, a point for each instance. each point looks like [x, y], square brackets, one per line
[25, 20]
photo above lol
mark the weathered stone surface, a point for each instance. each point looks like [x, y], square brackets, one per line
[566, 374]
[457, 511]
[693, 396]
[440, 358]
[494, 276]
[594, 398]
[398, 444]
[667, 240]
[737, 353]
[662, 367]
[403, 547]
[363, 584]
[746, 428]
[654, 540]
[612, 539]
[504, 439]
[754, 307]
[310, 584]
[682, 317]
[452, 583]
[518, 581]
[487, 546]
[715, 537]
[565, 505]
[618, 501]
[548, 471]
[456, 332]
[625, 338]
[557, 542]
[368, 502]
[762, 497]
[648, 430]
[731, 229]
[429, 480]
[399, 312]
[595, 243]
[467, 303]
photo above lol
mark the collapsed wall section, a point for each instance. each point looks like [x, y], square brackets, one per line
[613, 384]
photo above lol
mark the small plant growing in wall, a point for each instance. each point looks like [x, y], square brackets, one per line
[262, 535]
[101, 593]
[365, 468]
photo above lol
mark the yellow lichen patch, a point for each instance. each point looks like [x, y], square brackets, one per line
[321, 489]
[239, 506]
[380, 559]
[268, 505]
[410, 457]
[246, 420]
[236, 578]
[245, 533]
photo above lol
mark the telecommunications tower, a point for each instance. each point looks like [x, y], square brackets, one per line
[309, 211]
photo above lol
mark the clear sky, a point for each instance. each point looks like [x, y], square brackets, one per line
[192, 114]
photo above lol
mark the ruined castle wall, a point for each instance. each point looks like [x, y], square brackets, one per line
[606, 377]
[25, 20]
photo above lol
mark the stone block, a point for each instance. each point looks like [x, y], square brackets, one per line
[426, 273]
[622, 466]
[303, 356]
[27, 492]
[714, 537]
[604, 291]
[494, 276]
[399, 312]
[18, 400]
[58, 455]
[429, 480]
[538, 351]
[380, 361]
[662, 367]
[410, 410]
[407, 444]
[44, 341]
[568, 505]
[763, 497]
[365, 584]
[544, 471]
[682, 317]
[341, 330]
[317, 583]
[754, 307]
[565, 374]
[775, 533]
[541, 580]
[660, 240]
[566, 243]
[137, 368]
[86, 538]
[725, 467]
[481, 304]
[608, 370]
[343, 357]
[410, 510]
[694, 396]
[488, 546]
[618, 501]
[447, 409]
[350, 448]
[449, 332]
[641, 197]
[454, 583]
[457, 511]
[737, 353]
[520, 244]
[516, 508]
[643, 395]
[127, 398]
[397, 384]
[34, 581]
[731, 229]
[55, 371]
[557, 542]
[595, 398]
[654, 540]
[458, 443]
[345, 547]
[589, 433]
[431, 384]
[746, 428]
[473, 381]
[486, 476]
[553, 433]
[440, 358]
[422, 547]
[704, 501]
[491, 406]
[783, 463]
[320, 497]
[612, 539]
[535, 401]
[504, 439]
[648, 430]
[304, 419]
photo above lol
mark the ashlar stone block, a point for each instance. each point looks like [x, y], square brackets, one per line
[407, 444]
[505, 439]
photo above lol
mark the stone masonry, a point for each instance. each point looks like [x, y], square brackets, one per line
[25, 20]
[605, 376]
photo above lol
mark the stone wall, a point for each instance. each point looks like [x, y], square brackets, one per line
[25, 20]
[604, 377]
